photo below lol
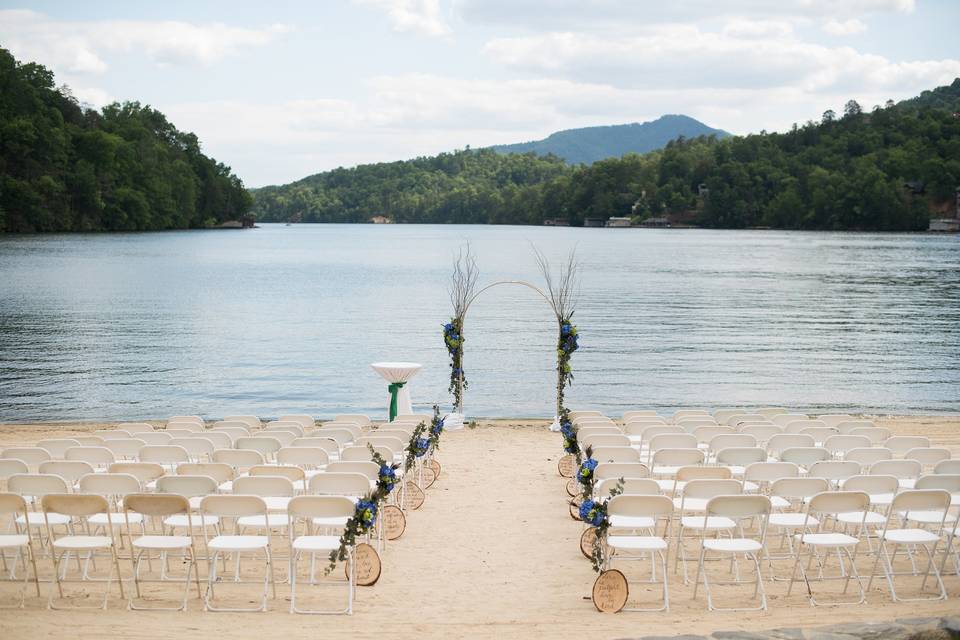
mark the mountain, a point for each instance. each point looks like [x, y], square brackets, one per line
[589, 144]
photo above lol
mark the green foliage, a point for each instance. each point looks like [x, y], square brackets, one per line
[841, 173]
[126, 168]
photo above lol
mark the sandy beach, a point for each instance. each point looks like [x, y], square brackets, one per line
[492, 553]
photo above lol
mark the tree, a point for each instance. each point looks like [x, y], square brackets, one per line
[852, 109]
[828, 116]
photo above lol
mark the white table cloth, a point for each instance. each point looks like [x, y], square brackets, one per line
[394, 373]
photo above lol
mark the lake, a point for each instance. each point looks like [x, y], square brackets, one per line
[288, 319]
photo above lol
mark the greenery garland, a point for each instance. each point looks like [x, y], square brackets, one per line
[365, 515]
[566, 345]
[436, 430]
[593, 509]
[453, 339]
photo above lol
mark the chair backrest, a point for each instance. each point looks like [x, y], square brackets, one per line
[266, 445]
[309, 507]
[236, 425]
[708, 488]
[236, 506]
[690, 425]
[804, 456]
[731, 440]
[645, 421]
[111, 434]
[36, 484]
[741, 456]
[231, 432]
[197, 448]
[342, 437]
[90, 441]
[616, 454]
[901, 444]
[97, 456]
[649, 429]
[192, 427]
[947, 466]
[359, 419]
[294, 427]
[877, 435]
[577, 413]
[741, 418]
[641, 506]
[639, 413]
[134, 428]
[340, 484]
[284, 435]
[705, 434]
[946, 481]
[677, 458]
[368, 468]
[603, 440]
[673, 441]
[57, 447]
[155, 437]
[12, 504]
[783, 441]
[328, 445]
[630, 486]
[783, 419]
[306, 421]
[927, 456]
[32, 456]
[761, 472]
[396, 444]
[292, 473]
[686, 474]
[833, 470]
[110, 485]
[239, 459]
[921, 500]
[264, 486]
[586, 432]
[194, 419]
[832, 502]
[158, 506]
[690, 413]
[847, 426]
[769, 412]
[164, 454]
[626, 470]
[584, 421]
[10, 466]
[69, 470]
[79, 505]
[145, 472]
[308, 457]
[872, 485]
[218, 439]
[190, 486]
[799, 426]
[903, 469]
[833, 419]
[126, 449]
[722, 415]
[798, 489]
[219, 471]
[866, 456]
[762, 432]
[740, 507]
[180, 433]
[841, 444]
[357, 431]
[251, 421]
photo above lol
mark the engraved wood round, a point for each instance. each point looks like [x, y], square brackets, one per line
[394, 522]
[429, 476]
[413, 495]
[436, 467]
[572, 488]
[575, 508]
[586, 542]
[610, 591]
[368, 564]
[566, 465]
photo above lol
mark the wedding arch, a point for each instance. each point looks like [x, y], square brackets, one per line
[560, 292]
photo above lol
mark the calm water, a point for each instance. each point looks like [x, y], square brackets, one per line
[287, 319]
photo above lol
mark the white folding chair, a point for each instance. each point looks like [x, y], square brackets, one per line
[56, 447]
[635, 521]
[692, 505]
[323, 519]
[21, 543]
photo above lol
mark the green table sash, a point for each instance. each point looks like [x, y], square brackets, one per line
[394, 389]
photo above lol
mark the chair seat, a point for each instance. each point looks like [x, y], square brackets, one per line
[273, 520]
[316, 543]
[707, 522]
[732, 545]
[238, 543]
[631, 522]
[82, 542]
[827, 539]
[910, 536]
[637, 543]
[196, 520]
[691, 504]
[881, 499]
[117, 519]
[226, 487]
[779, 503]
[11, 541]
[667, 484]
[907, 483]
[35, 519]
[750, 487]
[331, 522]
[162, 542]
[665, 471]
[929, 517]
[791, 520]
[856, 517]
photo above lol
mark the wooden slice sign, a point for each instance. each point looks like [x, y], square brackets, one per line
[610, 591]
[394, 522]
[413, 495]
[566, 465]
[436, 467]
[367, 561]
[586, 542]
[573, 487]
[429, 476]
[575, 508]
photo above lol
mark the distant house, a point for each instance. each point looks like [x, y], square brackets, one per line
[594, 222]
[381, 220]
[948, 225]
[616, 221]
[915, 187]
[655, 222]
[556, 222]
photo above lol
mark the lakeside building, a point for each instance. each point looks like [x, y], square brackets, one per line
[948, 225]
[594, 222]
[556, 222]
[619, 222]
[381, 220]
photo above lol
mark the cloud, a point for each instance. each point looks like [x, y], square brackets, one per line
[844, 27]
[416, 16]
[740, 28]
[80, 47]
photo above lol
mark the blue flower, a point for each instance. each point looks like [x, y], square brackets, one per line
[592, 513]
[420, 446]
[585, 473]
[570, 446]
[366, 514]
[388, 477]
[448, 327]
[565, 329]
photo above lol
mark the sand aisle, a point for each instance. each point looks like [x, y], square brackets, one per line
[492, 553]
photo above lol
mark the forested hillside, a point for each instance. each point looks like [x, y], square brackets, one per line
[125, 168]
[590, 144]
[847, 171]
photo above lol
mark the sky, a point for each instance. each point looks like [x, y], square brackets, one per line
[280, 90]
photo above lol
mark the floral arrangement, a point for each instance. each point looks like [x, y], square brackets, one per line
[566, 345]
[436, 429]
[365, 515]
[453, 339]
[585, 474]
[417, 447]
[594, 514]
[569, 432]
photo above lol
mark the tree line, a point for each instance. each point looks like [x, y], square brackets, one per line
[64, 167]
[883, 169]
